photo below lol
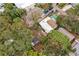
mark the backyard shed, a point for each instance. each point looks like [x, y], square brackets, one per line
[37, 46]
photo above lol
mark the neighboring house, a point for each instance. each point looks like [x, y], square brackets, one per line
[66, 7]
[48, 24]
[68, 34]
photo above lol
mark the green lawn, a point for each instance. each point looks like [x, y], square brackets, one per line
[60, 38]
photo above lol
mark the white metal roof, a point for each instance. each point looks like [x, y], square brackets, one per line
[45, 25]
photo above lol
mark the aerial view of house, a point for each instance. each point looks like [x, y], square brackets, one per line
[39, 29]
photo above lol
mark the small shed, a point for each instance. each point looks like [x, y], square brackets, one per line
[35, 41]
[37, 46]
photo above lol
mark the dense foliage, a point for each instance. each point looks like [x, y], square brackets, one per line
[14, 38]
[70, 23]
[12, 11]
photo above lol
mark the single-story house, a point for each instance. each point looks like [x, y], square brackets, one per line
[68, 34]
[48, 24]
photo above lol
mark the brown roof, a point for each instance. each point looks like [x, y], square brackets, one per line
[52, 23]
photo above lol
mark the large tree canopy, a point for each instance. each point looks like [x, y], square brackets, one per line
[70, 23]
[15, 38]
[11, 10]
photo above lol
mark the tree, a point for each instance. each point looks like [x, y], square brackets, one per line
[12, 11]
[70, 23]
[15, 38]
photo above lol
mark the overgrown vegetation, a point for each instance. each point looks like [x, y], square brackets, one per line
[15, 38]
